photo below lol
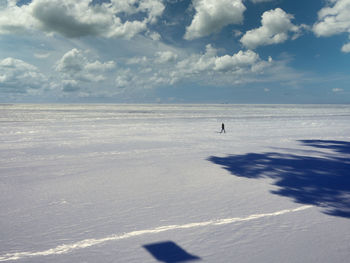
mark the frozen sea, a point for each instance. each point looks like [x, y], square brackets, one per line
[160, 183]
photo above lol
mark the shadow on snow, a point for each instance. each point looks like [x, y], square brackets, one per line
[169, 252]
[322, 181]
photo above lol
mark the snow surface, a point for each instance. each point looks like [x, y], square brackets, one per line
[126, 183]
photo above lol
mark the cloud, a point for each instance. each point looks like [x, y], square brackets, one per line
[152, 8]
[198, 62]
[41, 55]
[137, 60]
[17, 76]
[209, 68]
[125, 78]
[75, 67]
[228, 70]
[165, 56]
[346, 48]
[275, 27]
[336, 90]
[23, 20]
[74, 19]
[212, 15]
[70, 85]
[239, 60]
[153, 35]
[170, 67]
[147, 72]
[334, 19]
[131, 80]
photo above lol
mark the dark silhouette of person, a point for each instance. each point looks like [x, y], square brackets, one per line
[223, 128]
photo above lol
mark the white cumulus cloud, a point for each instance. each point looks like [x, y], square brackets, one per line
[14, 19]
[239, 60]
[75, 67]
[275, 28]
[212, 15]
[17, 76]
[334, 19]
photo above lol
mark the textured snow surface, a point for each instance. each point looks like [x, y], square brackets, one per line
[159, 183]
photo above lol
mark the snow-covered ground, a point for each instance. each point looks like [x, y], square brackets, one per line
[126, 183]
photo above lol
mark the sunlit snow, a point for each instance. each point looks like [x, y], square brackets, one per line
[105, 183]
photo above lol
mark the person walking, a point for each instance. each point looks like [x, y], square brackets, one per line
[223, 128]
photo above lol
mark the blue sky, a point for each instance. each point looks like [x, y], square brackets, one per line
[175, 51]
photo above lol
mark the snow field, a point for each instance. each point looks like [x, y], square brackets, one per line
[105, 176]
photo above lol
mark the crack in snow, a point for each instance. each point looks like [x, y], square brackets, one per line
[66, 248]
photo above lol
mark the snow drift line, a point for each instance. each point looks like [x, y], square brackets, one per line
[66, 248]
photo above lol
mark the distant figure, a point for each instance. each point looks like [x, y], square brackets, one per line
[223, 128]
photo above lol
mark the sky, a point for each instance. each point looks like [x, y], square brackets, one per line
[175, 51]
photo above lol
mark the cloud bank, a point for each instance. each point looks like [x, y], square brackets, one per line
[74, 19]
[108, 48]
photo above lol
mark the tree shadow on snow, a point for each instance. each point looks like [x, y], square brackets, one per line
[322, 180]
